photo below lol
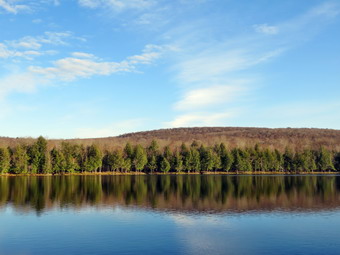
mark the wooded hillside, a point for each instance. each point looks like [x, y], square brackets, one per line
[295, 138]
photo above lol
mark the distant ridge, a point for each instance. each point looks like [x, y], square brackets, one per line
[279, 138]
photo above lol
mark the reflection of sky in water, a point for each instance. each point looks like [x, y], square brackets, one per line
[138, 231]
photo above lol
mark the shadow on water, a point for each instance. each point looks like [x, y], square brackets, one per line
[185, 193]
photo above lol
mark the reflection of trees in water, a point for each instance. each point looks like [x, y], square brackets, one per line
[182, 192]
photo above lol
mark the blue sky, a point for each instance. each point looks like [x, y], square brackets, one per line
[96, 68]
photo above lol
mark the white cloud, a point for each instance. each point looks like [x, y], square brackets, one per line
[150, 53]
[84, 65]
[210, 96]
[69, 69]
[80, 65]
[83, 55]
[5, 52]
[266, 29]
[36, 42]
[11, 7]
[29, 47]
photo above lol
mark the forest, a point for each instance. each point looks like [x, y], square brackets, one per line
[39, 158]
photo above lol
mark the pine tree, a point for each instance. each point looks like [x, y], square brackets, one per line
[195, 164]
[57, 161]
[115, 160]
[164, 165]
[206, 159]
[5, 160]
[324, 161]
[217, 164]
[167, 153]
[152, 163]
[153, 149]
[186, 156]
[70, 157]
[226, 158]
[93, 159]
[20, 160]
[140, 158]
[177, 162]
[288, 158]
[128, 151]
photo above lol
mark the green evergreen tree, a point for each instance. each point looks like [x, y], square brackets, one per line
[337, 161]
[37, 156]
[257, 158]
[164, 165]
[153, 149]
[58, 163]
[140, 158]
[128, 151]
[288, 158]
[20, 160]
[226, 158]
[186, 157]
[167, 153]
[177, 162]
[47, 163]
[69, 152]
[325, 160]
[241, 160]
[34, 158]
[152, 163]
[195, 162]
[217, 164]
[206, 159]
[126, 167]
[5, 160]
[93, 159]
[279, 161]
[115, 160]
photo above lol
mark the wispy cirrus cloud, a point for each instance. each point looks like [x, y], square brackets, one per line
[36, 42]
[219, 61]
[30, 47]
[117, 5]
[206, 62]
[266, 29]
[6, 52]
[24, 6]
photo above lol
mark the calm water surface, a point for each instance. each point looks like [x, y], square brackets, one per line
[170, 215]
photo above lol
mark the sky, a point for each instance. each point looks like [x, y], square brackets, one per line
[97, 68]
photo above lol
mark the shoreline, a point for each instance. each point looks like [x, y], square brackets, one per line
[169, 173]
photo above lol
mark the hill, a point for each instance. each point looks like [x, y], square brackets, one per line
[280, 138]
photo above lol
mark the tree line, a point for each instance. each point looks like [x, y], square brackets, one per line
[37, 158]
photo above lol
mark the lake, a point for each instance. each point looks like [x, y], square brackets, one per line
[169, 214]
